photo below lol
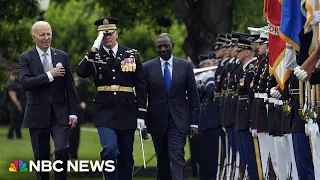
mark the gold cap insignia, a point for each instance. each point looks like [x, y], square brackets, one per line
[105, 22]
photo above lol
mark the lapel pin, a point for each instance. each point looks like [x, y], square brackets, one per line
[59, 64]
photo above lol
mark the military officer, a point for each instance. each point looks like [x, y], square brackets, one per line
[230, 103]
[209, 127]
[301, 141]
[119, 106]
[222, 53]
[245, 98]
[259, 126]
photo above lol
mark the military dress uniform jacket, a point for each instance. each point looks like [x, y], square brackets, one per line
[245, 98]
[116, 105]
[259, 85]
[232, 98]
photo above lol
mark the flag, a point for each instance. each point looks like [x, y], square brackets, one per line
[309, 6]
[292, 22]
[277, 46]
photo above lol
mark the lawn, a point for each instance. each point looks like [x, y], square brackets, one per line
[89, 149]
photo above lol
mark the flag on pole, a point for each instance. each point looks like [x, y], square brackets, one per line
[292, 22]
[310, 6]
[277, 46]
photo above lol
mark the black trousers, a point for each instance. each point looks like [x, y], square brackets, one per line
[40, 140]
[15, 123]
[170, 153]
[208, 161]
[74, 141]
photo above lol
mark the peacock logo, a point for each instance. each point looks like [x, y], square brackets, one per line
[18, 166]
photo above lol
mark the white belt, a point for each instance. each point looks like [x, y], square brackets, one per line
[261, 95]
[275, 101]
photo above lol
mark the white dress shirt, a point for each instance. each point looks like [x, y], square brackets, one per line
[48, 56]
[114, 49]
[170, 61]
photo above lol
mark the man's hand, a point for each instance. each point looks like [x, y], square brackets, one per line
[59, 71]
[97, 42]
[254, 132]
[300, 73]
[193, 131]
[275, 93]
[141, 124]
[72, 121]
[83, 105]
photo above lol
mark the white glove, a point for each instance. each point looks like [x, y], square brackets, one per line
[98, 41]
[300, 73]
[315, 18]
[307, 130]
[254, 132]
[141, 124]
[314, 129]
[275, 93]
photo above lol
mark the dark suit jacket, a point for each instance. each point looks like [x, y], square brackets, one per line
[181, 101]
[60, 94]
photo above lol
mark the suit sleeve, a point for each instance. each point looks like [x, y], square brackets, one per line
[141, 89]
[193, 96]
[85, 68]
[28, 81]
[315, 77]
[73, 100]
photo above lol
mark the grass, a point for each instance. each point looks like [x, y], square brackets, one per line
[89, 149]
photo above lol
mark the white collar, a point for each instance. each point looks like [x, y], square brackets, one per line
[223, 61]
[170, 61]
[230, 61]
[114, 49]
[246, 64]
[40, 52]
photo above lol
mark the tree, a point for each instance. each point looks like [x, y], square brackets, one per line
[14, 34]
[203, 19]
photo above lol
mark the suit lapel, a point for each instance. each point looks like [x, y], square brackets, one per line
[157, 69]
[54, 57]
[36, 60]
[175, 73]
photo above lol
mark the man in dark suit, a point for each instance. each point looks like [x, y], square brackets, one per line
[117, 109]
[172, 97]
[52, 102]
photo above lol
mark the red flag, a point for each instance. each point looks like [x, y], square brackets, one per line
[277, 46]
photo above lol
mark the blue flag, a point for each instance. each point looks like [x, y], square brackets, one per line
[292, 22]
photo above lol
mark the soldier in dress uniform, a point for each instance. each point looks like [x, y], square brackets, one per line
[245, 98]
[259, 126]
[221, 52]
[209, 127]
[301, 142]
[230, 103]
[119, 106]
